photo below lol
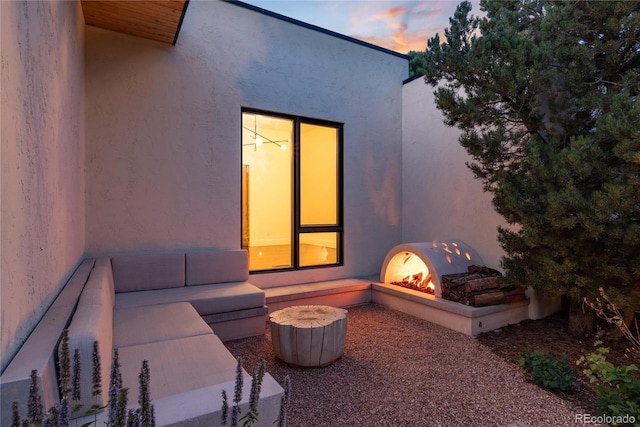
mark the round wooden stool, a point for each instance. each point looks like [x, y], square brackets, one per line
[308, 335]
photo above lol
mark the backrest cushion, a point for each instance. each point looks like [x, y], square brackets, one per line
[209, 267]
[106, 277]
[145, 272]
[93, 321]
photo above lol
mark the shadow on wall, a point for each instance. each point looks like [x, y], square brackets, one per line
[441, 196]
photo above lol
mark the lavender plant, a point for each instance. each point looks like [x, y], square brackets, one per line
[257, 376]
[237, 396]
[64, 415]
[225, 408]
[35, 409]
[284, 402]
[119, 415]
[64, 365]
[115, 387]
[15, 415]
[96, 378]
[147, 417]
[75, 385]
[254, 397]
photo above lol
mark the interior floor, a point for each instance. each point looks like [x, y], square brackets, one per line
[279, 256]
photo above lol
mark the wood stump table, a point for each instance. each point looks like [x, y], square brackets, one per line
[308, 335]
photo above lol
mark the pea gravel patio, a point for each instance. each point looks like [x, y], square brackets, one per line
[397, 370]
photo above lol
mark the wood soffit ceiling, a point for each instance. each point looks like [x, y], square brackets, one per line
[158, 20]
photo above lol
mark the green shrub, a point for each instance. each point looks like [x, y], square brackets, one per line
[547, 370]
[618, 389]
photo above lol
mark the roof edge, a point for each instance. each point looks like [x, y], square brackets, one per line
[184, 12]
[412, 78]
[315, 28]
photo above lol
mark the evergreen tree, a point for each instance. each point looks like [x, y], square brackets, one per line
[545, 93]
[417, 62]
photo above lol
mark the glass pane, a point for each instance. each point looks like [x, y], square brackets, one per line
[267, 187]
[318, 175]
[318, 249]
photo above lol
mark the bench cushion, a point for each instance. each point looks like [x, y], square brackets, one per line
[179, 365]
[93, 321]
[145, 272]
[206, 299]
[154, 323]
[203, 268]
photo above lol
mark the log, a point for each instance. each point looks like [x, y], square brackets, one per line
[489, 298]
[308, 335]
[459, 279]
[478, 285]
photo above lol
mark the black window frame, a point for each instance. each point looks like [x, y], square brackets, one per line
[297, 227]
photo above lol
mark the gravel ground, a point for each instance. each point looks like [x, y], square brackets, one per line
[397, 370]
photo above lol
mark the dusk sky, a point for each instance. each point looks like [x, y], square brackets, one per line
[397, 25]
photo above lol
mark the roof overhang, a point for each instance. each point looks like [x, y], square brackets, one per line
[158, 20]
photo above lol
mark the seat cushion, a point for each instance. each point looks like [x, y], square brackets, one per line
[145, 272]
[178, 365]
[154, 323]
[206, 299]
[203, 268]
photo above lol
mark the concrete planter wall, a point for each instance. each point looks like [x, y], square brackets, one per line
[42, 147]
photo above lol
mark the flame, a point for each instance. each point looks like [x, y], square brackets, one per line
[454, 244]
[457, 251]
[467, 255]
[448, 258]
[431, 286]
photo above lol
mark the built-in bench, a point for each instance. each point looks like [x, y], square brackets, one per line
[214, 282]
[164, 308]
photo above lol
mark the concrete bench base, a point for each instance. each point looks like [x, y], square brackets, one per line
[203, 407]
[349, 292]
[468, 320]
[238, 324]
[336, 293]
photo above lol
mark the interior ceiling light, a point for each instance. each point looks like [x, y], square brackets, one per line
[261, 139]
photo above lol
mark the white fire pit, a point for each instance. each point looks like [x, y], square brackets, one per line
[428, 262]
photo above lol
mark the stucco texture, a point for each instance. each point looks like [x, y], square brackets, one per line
[164, 128]
[42, 158]
[441, 198]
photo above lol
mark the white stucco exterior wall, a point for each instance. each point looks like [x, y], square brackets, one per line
[441, 198]
[42, 158]
[163, 132]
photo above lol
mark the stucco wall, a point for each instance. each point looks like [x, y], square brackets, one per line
[42, 158]
[441, 198]
[163, 132]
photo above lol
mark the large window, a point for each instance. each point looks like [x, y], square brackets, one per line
[291, 191]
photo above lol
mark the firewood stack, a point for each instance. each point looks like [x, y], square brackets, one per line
[479, 287]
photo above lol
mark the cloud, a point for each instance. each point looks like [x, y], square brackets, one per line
[399, 26]
[403, 27]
